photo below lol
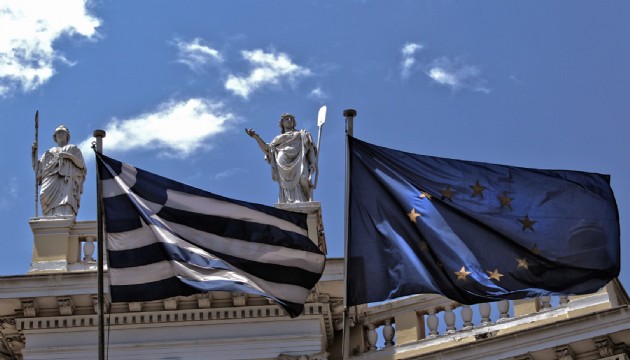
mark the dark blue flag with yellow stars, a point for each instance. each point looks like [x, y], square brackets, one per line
[475, 232]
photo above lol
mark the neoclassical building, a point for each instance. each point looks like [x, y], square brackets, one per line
[51, 313]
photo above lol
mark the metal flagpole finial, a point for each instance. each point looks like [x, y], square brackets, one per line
[99, 135]
[349, 114]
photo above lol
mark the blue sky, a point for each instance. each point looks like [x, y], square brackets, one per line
[536, 84]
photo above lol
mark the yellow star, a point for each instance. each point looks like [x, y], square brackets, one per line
[496, 275]
[425, 194]
[505, 200]
[522, 263]
[413, 215]
[448, 193]
[477, 190]
[527, 223]
[462, 274]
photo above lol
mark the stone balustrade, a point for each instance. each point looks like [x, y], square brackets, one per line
[437, 320]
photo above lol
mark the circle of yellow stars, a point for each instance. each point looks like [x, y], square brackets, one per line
[505, 201]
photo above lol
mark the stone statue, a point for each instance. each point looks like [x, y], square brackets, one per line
[60, 173]
[293, 159]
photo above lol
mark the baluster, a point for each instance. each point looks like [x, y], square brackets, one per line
[504, 308]
[467, 315]
[388, 333]
[545, 302]
[371, 336]
[432, 323]
[449, 319]
[484, 311]
[88, 249]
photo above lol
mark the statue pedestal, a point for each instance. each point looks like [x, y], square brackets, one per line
[58, 244]
[313, 209]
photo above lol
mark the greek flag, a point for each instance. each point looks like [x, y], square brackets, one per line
[167, 239]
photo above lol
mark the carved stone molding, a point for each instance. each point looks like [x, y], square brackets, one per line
[524, 357]
[564, 353]
[29, 307]
[313, 295]
[204, 301]
[66, 306]
[318, 356]
[159, 317]
[7, 323]
[135, 306]
[16, 342]
[239, 299]
[170, 304]
[95, 304]
[604, 346]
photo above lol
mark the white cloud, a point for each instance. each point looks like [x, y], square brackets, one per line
[195, 54]
[28, 30]
[441, 76]
[457, 75]
[268, 68]
[175, 128]
[317, 94]
[408, 60]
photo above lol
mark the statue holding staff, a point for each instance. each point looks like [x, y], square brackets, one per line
[293, 159]
[60, 172]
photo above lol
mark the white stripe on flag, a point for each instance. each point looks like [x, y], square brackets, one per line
[114, 187]
[209, 206]
[153, 272]
[264, 253]
[167, 269]
[131, 239]
[140, 274]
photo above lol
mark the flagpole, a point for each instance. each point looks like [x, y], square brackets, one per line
[99, 135]
[36, 163]
[349, 114]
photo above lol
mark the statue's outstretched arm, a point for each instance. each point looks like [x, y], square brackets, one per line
[261, 143]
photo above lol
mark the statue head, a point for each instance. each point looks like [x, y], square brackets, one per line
[289, 117]
[61, 128]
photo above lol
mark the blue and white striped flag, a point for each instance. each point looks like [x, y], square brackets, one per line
[166, 239]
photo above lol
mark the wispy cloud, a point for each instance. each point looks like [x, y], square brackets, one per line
[269, 68]
[408, 61]
[28, 31]
[317, 94]
[177, 128]
[229, 173]
[457, 75]
[195, 54]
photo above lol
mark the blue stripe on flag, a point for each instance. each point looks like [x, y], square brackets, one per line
[239, 229]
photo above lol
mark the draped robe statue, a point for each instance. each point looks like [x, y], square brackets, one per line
[293, 159]
[60, 173]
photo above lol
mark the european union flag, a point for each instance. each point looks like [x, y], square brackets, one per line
[475, 232]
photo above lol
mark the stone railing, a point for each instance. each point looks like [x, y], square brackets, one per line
[438, 320]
